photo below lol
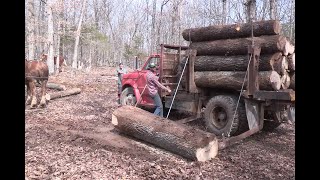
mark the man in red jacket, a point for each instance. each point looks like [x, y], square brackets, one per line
[153, 84]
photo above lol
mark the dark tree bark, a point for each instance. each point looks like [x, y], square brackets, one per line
[237, 63]
[291, 62]
[210, 33]
[268, 80]
[269, 45]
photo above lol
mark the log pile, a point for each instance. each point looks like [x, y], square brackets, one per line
[222, 55]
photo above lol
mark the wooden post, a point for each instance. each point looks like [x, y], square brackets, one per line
[192, 86]
[253, 77]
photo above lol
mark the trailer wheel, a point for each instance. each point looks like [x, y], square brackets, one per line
[127, 97]
[219, 113]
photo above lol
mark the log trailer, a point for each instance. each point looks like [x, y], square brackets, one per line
[230, 113]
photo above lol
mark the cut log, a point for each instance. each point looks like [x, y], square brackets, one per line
[292, 82]
[285, 81]
[270, 27]
[238, 63]
[226, 47]
[291, 62]
[289, 49]
[60, 94]
[268, 80]
[280, 65]
[186, 141]
[58, 87]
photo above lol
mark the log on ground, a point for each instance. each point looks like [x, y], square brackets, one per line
[238, 63]
[58, 87]
[186, 141]
[268, 80]
[270, 27]
[65, 93]
[226, 47]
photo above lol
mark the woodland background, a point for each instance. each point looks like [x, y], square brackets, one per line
[93, 33]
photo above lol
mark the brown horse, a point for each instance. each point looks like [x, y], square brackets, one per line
[62, 61]
[36, 71]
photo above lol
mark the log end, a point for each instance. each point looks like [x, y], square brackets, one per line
[114, 120]
[208, 152]
[288, 48]
[275, 80]
[284, 65]
[285, 81]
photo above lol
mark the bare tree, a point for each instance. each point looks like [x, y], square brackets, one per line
[75, 52]
[224, 11]
[250, 6]
[31, 29]
[273, 9]
[50, 39]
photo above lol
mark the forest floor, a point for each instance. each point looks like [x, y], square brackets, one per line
[73, 138]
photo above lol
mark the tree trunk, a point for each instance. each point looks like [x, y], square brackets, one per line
[75, 52]
[291, 62]
[269, 45]
[181, 139]
[237, 63]
[250, 6]
[31, 29]
[50, 56]
[273, 9]
[268, 80]
[216, 32]
[292, 82]
[65, 93]
[224, 12]
[285, 81]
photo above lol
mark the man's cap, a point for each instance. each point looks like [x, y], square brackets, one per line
[152, 65]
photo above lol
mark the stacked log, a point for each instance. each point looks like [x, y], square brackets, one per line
[222, 55]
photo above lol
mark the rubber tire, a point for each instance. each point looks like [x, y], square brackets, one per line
[228, 103]
[125, 93]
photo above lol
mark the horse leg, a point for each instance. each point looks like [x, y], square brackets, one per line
[43, 93]
[33, 93]
[28, 101]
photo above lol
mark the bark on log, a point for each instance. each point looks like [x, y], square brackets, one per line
[210, 33]
[291, 62]
[189, 142]
[292, 82]
[58, 87]
[60, 94]
[238, 63]
[268, 80]
[269, 45]
[285, 81]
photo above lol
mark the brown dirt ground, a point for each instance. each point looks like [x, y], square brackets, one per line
[73, 138]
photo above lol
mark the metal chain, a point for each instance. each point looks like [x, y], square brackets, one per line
[175, 93]
[234, 115]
